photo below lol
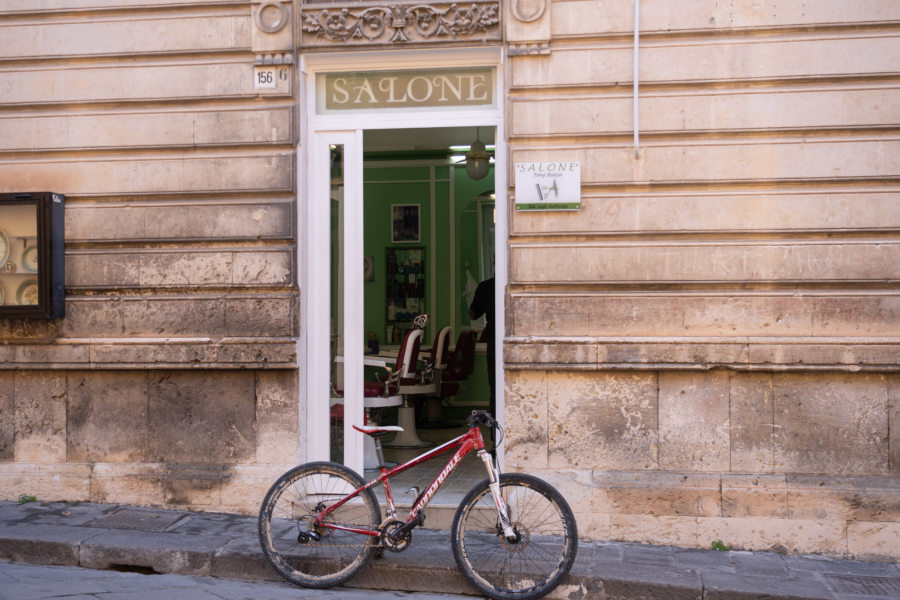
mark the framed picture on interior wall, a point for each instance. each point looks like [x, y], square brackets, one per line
[404, 223]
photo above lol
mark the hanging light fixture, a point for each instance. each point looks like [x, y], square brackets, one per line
[477, 158]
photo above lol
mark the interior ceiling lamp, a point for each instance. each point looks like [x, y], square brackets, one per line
[477, 158]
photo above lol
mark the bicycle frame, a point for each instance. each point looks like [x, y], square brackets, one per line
[466, 443]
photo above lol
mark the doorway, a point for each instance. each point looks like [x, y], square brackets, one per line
[393, 228]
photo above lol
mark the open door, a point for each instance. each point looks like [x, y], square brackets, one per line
[335, 346]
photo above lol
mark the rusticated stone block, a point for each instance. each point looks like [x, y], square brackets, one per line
[657, 493]
[245, 486]
[128, 483]
[7, 414]
[93, 317]
[603, 420]
[572, 483]
[262, 268]
[764, 533]
[50, 482]
[527, 436]
[152, 352]
[260, 317]
[183, 316]
[202, 417]
[281, 354]
[873, 541]
[844, 498]
[107, 417]
[654, 529]
[752, 423]
[550, 352]
[835, 424]
[277, 435]
[40, 434]
[194, 485]
[694, 421]
[754, 496]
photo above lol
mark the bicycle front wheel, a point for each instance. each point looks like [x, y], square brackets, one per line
[327, 557]
[530, 564]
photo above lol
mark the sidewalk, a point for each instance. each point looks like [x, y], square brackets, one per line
[104, 536]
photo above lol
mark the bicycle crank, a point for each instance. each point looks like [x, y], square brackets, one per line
[394, 536]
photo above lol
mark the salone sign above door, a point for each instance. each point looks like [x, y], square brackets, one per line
[422, 88]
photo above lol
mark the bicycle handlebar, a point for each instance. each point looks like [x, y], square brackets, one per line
[481, 417]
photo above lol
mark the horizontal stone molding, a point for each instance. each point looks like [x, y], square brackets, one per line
[740, 354]
[585, 263]
[114, 37]
[814, 315]
[126, 82]
[16, 7]
[189, 314]
[581, 17]
[722, 111]
[700, 162]
[717, 60]
[183, 220]
[140, 175]
[399, 23]
[815, 211]
[205, 487]
[191, 267]
[175, 128]
[150, 353]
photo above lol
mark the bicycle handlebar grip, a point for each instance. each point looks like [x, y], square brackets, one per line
[481, 416]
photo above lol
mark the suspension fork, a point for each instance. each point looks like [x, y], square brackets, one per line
[494, 485]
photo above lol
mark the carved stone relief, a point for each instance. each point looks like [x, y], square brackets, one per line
[399, 23]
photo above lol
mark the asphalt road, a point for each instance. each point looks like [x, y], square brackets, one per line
[20, 581]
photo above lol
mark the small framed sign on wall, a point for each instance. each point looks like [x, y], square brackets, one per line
[548, 186]
[405, 223]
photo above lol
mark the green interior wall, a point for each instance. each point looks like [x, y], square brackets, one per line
[386, 186]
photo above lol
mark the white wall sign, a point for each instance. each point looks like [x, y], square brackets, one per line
[548, 186]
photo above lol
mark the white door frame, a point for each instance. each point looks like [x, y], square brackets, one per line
[313, 224]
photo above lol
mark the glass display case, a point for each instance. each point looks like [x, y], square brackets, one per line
[32, 282]
[405, 290]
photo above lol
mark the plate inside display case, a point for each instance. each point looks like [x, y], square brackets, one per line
[4, 248]
[30, 259]
[28, 293]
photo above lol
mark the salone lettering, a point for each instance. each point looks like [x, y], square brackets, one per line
[416, 90]
[545, 167]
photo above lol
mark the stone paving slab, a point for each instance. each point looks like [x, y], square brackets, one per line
[105, 536]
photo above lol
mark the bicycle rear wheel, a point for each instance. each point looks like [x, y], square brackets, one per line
[532, 564]
[289, 510]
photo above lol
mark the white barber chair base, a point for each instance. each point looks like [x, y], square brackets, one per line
[406, 418]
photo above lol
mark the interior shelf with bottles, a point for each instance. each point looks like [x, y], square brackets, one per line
[404, 290]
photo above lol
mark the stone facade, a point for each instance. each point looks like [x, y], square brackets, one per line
[173, 378]
[709, 349]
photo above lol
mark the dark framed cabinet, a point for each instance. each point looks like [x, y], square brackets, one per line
[32, 255]
[404, 290]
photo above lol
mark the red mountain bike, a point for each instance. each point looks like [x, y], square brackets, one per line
[513, 535]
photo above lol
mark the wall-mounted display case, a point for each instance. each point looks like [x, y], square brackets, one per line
[32, 261]
[405, 290]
